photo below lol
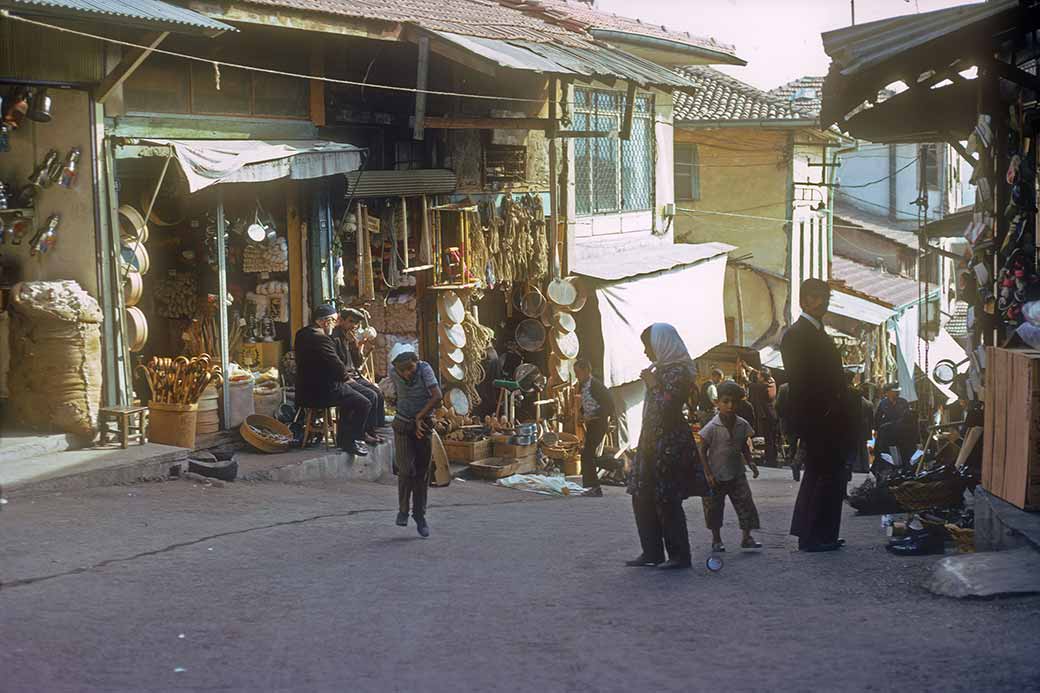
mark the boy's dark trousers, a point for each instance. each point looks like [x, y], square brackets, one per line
[595, 432]
[739, 492]
[412, 463]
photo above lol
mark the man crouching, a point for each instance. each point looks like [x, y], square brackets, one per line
[418, 394]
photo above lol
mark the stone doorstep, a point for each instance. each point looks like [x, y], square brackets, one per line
[316, 464]
[1000, 526]
[94, 467]
[985, 575]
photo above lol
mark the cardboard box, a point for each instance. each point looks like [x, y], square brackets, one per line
[462, 451]
[507, 450]
[1011, 451]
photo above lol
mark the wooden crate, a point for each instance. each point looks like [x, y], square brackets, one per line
[462, 451]
[1011, 452]
[507, 450]
[501, 467]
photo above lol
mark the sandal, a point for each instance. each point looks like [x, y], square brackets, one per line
[717, 547]
[750, 544]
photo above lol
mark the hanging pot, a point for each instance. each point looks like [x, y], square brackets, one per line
[530, 335]
[458, 400]
[582, 297]
[452, 354]
[132, 226]
[136, 256]
[565, 322]
[456, 372]
[562, 293]
[567, 345]
[452, 308]
[136, 328]
[133, 289]
[40, 109]
[455, 335]
[532, 303]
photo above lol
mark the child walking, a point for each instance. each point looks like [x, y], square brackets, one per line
[725, 447]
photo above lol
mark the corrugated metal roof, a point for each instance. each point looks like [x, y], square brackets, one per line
[664, 256]
[144, 13]
[886, 288]
[721, 97]
[858, 308]
[362, 184]
[847, 215]
[589, 62]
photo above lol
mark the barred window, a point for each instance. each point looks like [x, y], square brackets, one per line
[613, 175]
[687, 172]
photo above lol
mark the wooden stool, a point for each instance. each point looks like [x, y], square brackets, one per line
[132, 423]
[311, 416]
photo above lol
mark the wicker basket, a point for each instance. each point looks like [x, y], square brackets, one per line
[922, 495]
[965, 538]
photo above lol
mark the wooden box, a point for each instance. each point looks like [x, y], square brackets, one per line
[507, 450]
[1011, 446]
[462, 451]
[501, 467]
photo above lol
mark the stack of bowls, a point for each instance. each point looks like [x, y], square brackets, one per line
[452, 341]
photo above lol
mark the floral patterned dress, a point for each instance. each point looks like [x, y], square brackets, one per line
[667, 463]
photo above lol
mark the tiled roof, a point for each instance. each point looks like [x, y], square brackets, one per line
[805, 94]
[481, 18]
[887, 288]
[721, 97]
[592, 18]
[896, 231]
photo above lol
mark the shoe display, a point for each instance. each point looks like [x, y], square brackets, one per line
[423, 528]
[644, 562]
[402, 519]
[676, 564]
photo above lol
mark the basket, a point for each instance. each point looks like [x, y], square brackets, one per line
[922, 495]
[965, 538]
[254, 424]
[172, 424]
[564, 447]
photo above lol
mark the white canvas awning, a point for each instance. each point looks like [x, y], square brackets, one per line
[859, 309]
[209, 162]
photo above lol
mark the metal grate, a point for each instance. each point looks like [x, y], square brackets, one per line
[613, 175]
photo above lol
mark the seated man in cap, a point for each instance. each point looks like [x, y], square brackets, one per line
[350, 352]
[323, 380]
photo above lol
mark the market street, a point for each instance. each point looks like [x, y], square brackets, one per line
[263, 586]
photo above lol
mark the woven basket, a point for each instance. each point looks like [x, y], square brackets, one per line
[923, 495]
[965, 538]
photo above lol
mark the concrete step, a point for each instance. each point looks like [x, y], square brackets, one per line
[15, 446]
[317, 464]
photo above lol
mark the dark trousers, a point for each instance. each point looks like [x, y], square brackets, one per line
[413, 489]
[661, 526]
[377, 404]
[771, 432]
[353, 410]
[595, 432]
[817, 511]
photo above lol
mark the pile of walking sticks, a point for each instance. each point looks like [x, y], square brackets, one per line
[180, 380]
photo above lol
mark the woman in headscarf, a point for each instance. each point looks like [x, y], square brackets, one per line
[667, 467]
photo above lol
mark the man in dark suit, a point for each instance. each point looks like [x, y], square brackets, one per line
[818, 413]
[323, 380]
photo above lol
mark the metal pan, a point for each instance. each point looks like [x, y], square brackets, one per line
[530, 335]
[455, 335]
[565, 322]
[132, 226]
[532, 303]
[562, 292]
[567, 345]
[458, 400]
[582, 295]
[452, 354]
[565, 370]
[456, 372]
[452, 308]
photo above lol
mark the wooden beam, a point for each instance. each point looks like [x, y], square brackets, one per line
[630, 109]
[317, 86]
[472, 123]
[132, 60]
[421, 81]
[1017, 75]
[458, 55]
[301, 20]
[960, 149]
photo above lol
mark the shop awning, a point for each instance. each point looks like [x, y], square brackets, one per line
[208, 162]
[615, 266]
[154, 15]
[361, 184]
[859, 309]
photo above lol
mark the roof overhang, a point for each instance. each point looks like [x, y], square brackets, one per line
[950, 226]
[150, 15]
[854, 307]
[768, 123]
[665, 51]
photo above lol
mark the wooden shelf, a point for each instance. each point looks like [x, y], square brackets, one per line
[453, 287]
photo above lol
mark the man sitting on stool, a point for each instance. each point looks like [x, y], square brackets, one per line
[351, 354]
[323, 380]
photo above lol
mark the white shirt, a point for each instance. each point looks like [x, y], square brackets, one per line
[815, 323]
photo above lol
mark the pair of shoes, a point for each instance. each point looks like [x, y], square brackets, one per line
[821, 548]
[422, 527]
[643, 562]
[357, 448]
[594, 492]
[750, 544]
[796, 473]
[717, 547]
[676, 564]
[919, 546]
[402, 520]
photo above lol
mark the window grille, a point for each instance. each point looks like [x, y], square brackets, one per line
[613, 175]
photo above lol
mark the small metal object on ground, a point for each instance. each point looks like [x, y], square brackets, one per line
[714, 563]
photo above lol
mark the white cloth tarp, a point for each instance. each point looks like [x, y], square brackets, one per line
[945, 347]
[859, 309]
[904, 329]
[690, 298]
[208, 162]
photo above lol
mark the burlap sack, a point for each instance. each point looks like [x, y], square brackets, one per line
[55, 374]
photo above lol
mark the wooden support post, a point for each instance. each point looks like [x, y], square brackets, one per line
[426, 255]
[317, 86]
[222, 309]
[421, 81]
[630, 109]
[127, 66]
[554, 172]
[404, 231]
[294, 232]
